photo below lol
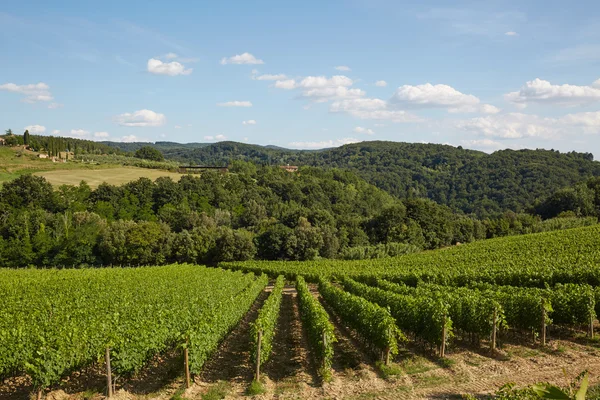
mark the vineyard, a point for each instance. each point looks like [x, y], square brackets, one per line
[538, 292]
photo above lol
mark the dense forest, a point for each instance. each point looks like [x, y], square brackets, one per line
[56, 144]
[252, 212]
[465, 180]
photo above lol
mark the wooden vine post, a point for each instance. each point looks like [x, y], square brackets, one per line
[494, 329]
[186, 362]
[324, 350]
[543, 335]
[108, 374]
[591, 327]
[443, 345]
[257, 373]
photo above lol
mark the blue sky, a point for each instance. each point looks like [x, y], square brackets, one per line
[311, 74]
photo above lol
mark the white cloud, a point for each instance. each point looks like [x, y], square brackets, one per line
[543, 92]
[343, 68]
[33, 92]
[286, 84]
[270, 77]
[35, 129]
[360, 129]
[323, 144]
[322, 89]
[170, 56]
[172, 68]
[249, 122]
[141, 118]
[381, 83]
[217, 137]
[439, 96]
[370, 108]
[79, 133]
[101, 134]
[245, 58]
[235, 103]
[245, 139]
[131, 139]
[56, 132]
[511, 33]
[519, 125]
[53, 106]
[486, 145]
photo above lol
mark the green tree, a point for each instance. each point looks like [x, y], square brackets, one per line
[26, 139]
[149, 153]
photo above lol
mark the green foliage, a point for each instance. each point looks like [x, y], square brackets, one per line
[466, 180]
[71, 316]
[320, 330]
[374, 323]
[266, 323]
[534, 260]
[424, 316]
[149, 153]
[255, 388]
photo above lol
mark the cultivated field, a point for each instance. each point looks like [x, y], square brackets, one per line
[444, 323]
[15, 162]
[94, 177]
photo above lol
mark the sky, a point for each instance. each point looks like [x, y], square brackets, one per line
[305, 74]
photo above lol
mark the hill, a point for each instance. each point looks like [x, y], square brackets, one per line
[465, 180]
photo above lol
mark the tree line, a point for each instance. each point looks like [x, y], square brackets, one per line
[253, 212]
[467, 181]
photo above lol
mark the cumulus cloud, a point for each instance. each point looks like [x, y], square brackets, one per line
[511, 33]
[381, 83]
[141, 118]
[322, 89]
[217, 137]
[519, 125]
[323, 144]
[486, 145]
[32, 93]
[235, 103]
[79, 133]
[245, 58]
[360, 129]
[287, 84]
[439, 96]
[270, 77]
[249, 122]
[172, 68]
[543, 92]
[101, 134]
[371, 108]
[343, 68]
[35, 129]
[131, 139]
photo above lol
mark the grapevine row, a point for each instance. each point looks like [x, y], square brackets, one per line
[319, 329]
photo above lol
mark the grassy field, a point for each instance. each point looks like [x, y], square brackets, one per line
[94, 177]
[14, 163]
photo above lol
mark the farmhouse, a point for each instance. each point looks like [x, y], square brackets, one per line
[289, 168]
[2, 141]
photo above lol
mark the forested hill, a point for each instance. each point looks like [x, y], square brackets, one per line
[467, 180]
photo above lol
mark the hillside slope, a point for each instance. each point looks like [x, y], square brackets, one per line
[466, 180]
